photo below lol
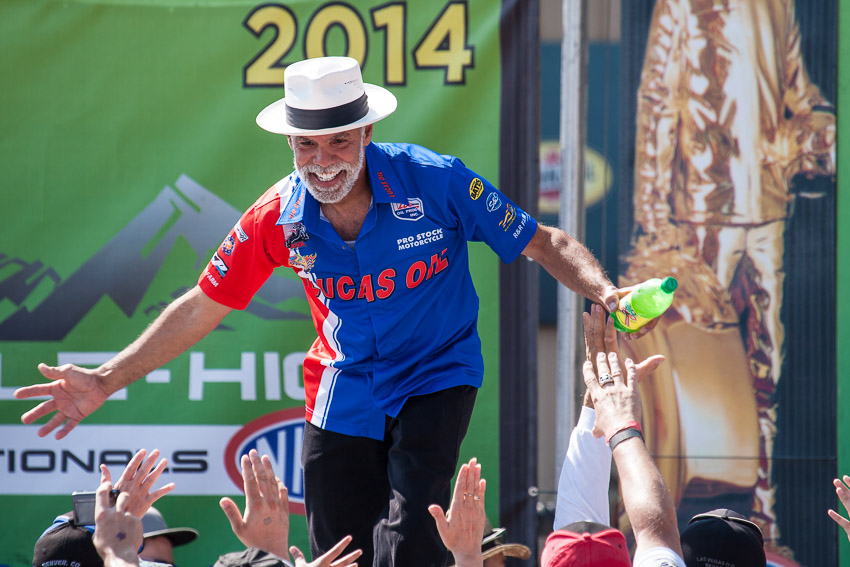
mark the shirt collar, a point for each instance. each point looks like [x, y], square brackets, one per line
[293, 211]
[386, 188]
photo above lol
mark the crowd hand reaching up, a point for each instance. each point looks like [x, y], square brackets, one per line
[74, 392]
[462, 528]
[843, 492]
[618, 401]
[137, 480]
[118, 533]
[329, 559]
[600, 335]
[265, 524]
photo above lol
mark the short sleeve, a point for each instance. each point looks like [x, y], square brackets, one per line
[485, 214]
[585, 475]
[246, 258]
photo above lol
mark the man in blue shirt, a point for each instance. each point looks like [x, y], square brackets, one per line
[378, 235]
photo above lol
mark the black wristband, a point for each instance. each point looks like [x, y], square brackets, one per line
[621, 436]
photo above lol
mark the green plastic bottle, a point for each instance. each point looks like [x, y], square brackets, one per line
[644, 303]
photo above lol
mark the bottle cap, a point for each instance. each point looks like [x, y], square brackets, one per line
[669, 284]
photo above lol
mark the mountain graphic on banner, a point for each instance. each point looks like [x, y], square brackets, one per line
[125, 267]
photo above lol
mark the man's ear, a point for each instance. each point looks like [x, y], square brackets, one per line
[289, 141]
[367, 134]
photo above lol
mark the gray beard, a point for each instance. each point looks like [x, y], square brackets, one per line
[342, 187]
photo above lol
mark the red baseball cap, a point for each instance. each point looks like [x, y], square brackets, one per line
[579, 548]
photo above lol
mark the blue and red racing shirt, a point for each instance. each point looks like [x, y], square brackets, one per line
[396, 313]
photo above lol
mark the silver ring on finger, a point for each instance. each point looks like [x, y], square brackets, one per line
[605, 379]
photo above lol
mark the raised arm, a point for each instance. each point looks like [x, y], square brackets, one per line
[645, 495]
[461, 528]
[76, 392]
[585, 474]
[265, 524]
[118, 525]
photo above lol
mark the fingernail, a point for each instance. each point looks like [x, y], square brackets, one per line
[612, 306]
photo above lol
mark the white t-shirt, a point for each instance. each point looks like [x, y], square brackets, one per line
[658, 557]
[585, 475]
[583, 488]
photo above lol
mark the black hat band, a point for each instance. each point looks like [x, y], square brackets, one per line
[347, 113]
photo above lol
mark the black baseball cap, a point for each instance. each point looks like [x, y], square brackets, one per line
[722, 537]
[66, 544]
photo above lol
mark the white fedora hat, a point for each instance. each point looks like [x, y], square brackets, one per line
[323, 96]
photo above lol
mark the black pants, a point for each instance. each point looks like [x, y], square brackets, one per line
[379, 491]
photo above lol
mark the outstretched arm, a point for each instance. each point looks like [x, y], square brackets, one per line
[645, 495]
[585, 474]
[569, 262]
[118, 533]
[76, 392]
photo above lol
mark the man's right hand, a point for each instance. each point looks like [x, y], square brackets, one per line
[75, 393]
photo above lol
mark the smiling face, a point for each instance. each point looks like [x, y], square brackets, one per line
[330, 165]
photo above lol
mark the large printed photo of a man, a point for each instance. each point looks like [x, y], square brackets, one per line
[733, 169]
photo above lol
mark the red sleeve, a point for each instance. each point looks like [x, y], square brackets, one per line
[248, 256]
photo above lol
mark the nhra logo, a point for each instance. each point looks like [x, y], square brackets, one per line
[412, 211]
[279, 435]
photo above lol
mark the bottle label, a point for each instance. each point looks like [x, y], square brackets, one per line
[628, 318]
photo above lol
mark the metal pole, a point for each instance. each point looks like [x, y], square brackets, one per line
[571, 215]
[518, 293]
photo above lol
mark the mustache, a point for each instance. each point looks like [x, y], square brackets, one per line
[331, 169]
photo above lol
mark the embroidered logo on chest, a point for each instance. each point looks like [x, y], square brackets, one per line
[412, 211]
[296, 260]
[296, 235]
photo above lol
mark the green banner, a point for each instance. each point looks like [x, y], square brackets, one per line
[129, 149]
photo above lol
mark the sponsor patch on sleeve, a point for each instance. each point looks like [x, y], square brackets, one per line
[228, 244]
[219, 265]
[493, 202]
[521, 226]
[509, 218]
[476, 188]
[240, 234]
